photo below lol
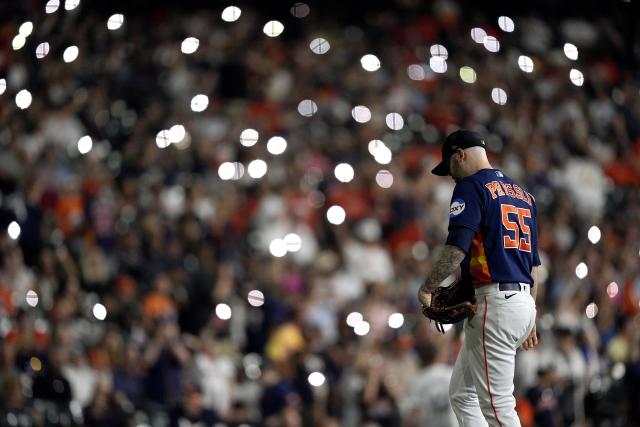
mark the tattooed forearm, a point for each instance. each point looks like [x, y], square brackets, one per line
[449, 260]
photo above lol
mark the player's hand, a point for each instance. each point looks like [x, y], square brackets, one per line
[424, 297]
[531, 341]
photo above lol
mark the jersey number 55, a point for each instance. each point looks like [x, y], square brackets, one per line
[516, 226]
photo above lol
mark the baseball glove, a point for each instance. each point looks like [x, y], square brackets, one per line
[451, 304]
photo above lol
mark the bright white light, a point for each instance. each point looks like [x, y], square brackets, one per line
[362, 328]
[394, 121]
[3, 86]
[85, 144]
[32, 298]
[278, 248]
[344, 172]
[478, 35]
[370, 62]
[506, 24]
[499, 96]
[52, 6]
[316, 379]
[468, 74]
[571, 51]
[255, 298]
[226, 171]
[26, 29]
[307, 108]
[594, 234]
[361, 114]
[199, 103]
[99, 311]
[70, 54]
[525, 63]
[582, 270]
[249, 137]
[300, 10]
[162, 139]
[18, 42]
[383, 155]
[438, 64]
[447, 327]
[576, 77]
[336, 215]
[592, 310]
[374, 146]
[354, 318]
[42, 50]
[396, 320]
[273, 28]
[176, 133]
[189, 45]
[612, 289]
[618, 371]
[257, 168]
[319, 46]
[71, 4]
[439, 51]
[223, 311]
[416, 72]
[14, 230]
[231, 13]
[293, 242]
[115, 21]
[23, 99]
[491, 44]
[384, 178]
[276, 145]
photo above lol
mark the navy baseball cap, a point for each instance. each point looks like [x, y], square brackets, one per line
[459, 139]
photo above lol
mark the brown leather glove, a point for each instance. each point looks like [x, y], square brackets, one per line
[451, 304]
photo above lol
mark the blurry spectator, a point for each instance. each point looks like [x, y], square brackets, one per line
[191, 411]
[544, 397]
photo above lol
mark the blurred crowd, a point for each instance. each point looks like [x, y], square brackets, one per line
[168, 248]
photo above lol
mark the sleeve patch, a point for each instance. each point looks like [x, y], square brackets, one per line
[456, 208]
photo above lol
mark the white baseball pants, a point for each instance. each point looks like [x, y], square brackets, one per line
[481, 387]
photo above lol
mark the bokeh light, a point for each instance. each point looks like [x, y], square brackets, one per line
[162, 139]
[336, 215]
[478, 35]
[249, 137]
[438, 64]
[115, 21]
[316, 379]
[273, 28]
[491, 44]
[14, 230]
[591, 310]
[52, 6]
[571, 51]
[99, 311]
[300, 10]
[276, 145]
[612, 289]
[594, 234]
[582, 270]
[189, 45]
[231, 14]
[26, 29]
[255, 298]
[499, 96]
[85, 144]
[42, 50]
[383, 155]
[199, 103]
[468, 74]
[396, 320]
[319, 46]
[384, 178]
[3, 86]
[307, 108]
[23, 99]
[177, 133]
[370, 62]
[278, 248]
[394, 121]
[32, 298]
[71, 4]
[18, 42]
[223, 311]
[416, 72]
[361, 114]
[525, 63]
[70, 54]
[576, 77]
[506, 24]
[257, 168]
[362, 328]
[226, 171]
[354, 318]
[293, 242]
[439, 51]
[344, 172]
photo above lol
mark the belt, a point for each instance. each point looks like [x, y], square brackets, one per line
[501, 287]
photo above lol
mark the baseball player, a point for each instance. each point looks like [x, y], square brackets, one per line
[493, 238]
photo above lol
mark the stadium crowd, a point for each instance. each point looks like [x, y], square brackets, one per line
[157, 238]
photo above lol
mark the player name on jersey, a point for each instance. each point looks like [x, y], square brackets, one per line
[498, 188]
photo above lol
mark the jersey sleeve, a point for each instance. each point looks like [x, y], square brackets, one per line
[466, 206]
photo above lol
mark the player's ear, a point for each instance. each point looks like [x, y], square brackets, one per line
[461, 153]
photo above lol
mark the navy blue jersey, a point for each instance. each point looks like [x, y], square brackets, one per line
[500, 219]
